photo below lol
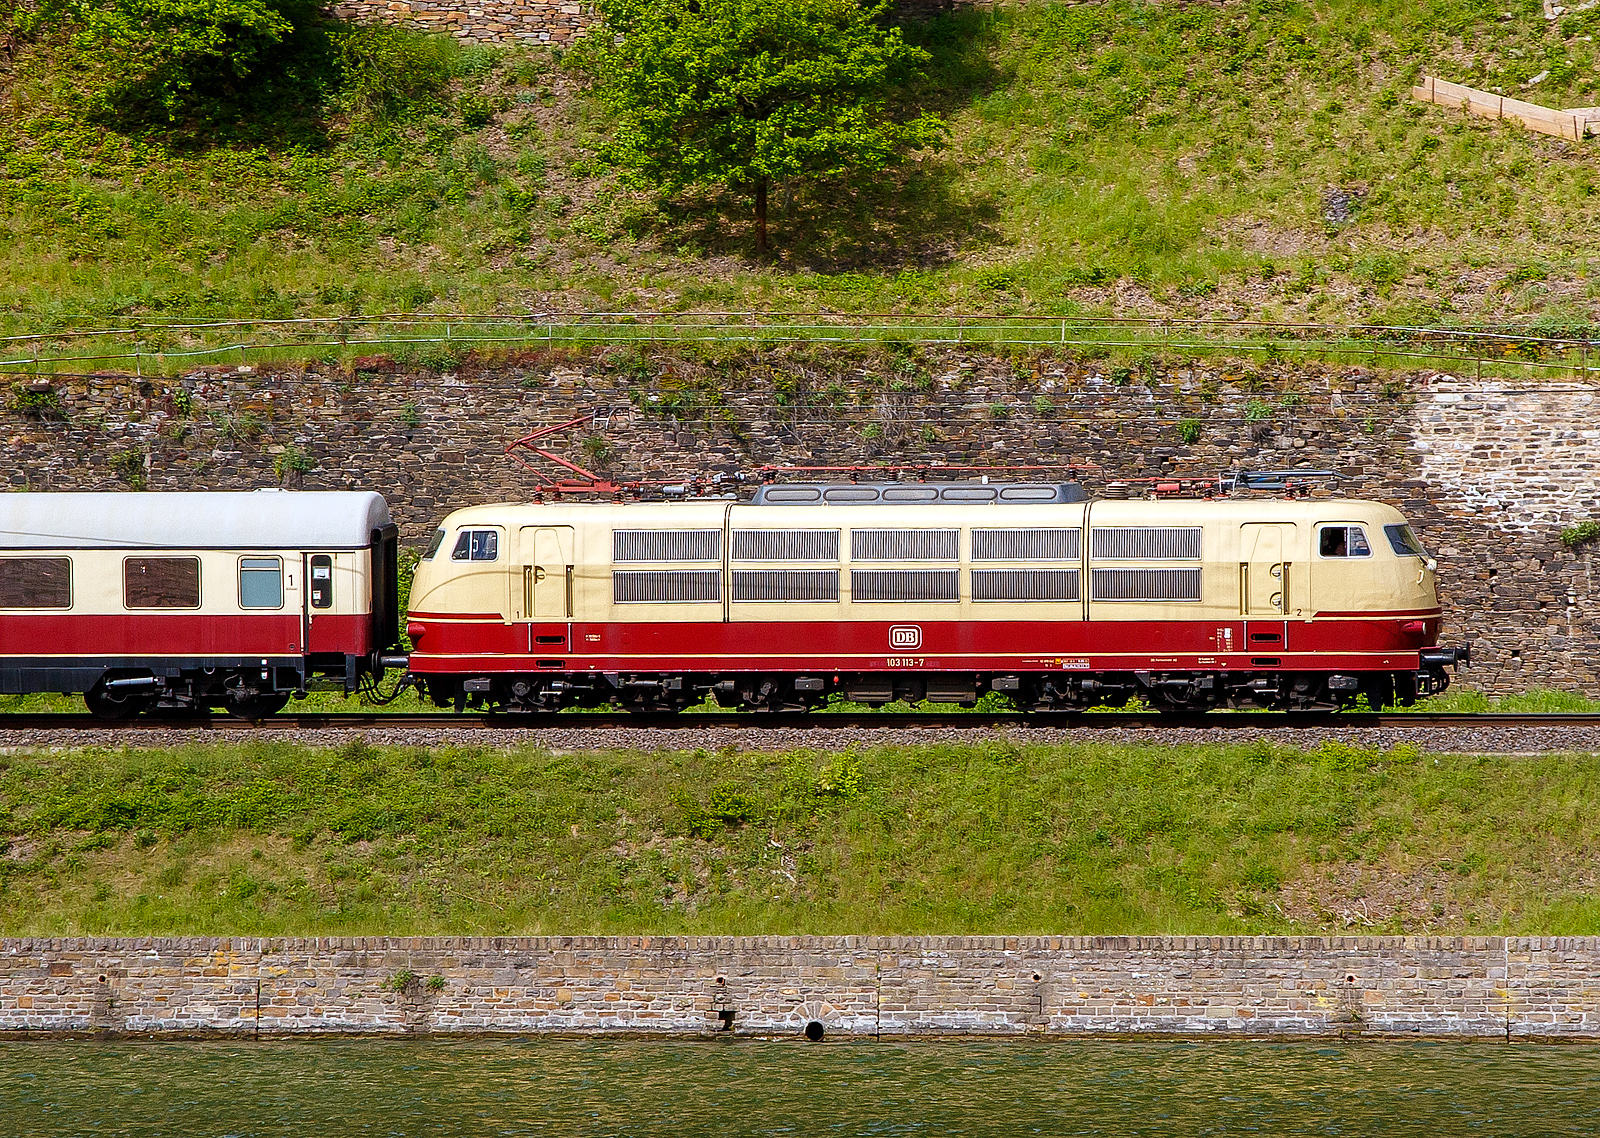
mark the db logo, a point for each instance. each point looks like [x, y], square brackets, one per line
[905, 636]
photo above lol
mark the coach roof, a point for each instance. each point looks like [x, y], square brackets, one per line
[263, 519]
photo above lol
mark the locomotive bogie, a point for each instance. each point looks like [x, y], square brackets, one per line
[1065, 606]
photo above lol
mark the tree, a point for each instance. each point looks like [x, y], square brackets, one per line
[161, 54]
[745, 93]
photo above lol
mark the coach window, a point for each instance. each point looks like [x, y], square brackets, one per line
[322, 581]
[433, 546]
[260, 583]
[35, 583]
[161, 583]
[1344, 541]
[476, 545]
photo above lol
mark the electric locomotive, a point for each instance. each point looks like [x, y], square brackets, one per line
[922, 591]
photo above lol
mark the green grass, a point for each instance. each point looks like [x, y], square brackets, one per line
[1001, 837]
[1182, 154]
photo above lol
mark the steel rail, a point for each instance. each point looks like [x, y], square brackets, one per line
[1268, 720]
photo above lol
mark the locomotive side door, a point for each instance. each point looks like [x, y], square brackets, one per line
[544, 591]
[1270, 584]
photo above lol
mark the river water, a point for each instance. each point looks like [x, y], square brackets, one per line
[585, 1088]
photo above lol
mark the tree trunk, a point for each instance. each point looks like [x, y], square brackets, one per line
[761, 216]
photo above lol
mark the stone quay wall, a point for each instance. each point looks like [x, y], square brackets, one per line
[1489, 471]
[1350, 987]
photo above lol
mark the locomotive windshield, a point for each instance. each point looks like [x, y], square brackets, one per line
[1404, 542]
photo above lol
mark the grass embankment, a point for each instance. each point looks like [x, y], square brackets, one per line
[995, 838]
[1256, 160]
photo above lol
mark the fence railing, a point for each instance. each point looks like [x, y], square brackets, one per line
[438, 338]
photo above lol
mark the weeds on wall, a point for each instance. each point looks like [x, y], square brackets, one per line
[1576, 536]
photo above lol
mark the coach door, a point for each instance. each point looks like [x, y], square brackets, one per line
[547, 571]
[1269, 583]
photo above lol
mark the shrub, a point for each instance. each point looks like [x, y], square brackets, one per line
[386, 71]
[727, 807]
[1189, 430]
[163, 58]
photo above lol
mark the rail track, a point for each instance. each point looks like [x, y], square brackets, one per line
[821, 721]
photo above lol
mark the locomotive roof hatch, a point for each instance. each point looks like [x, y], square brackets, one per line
[911, 493]
[263, 519]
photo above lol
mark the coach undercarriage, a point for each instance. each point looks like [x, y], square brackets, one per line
[1168, 691]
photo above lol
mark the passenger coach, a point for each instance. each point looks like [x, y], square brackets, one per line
[194, 600]
[919, 591]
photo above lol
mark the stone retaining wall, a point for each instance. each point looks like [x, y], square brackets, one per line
[482, 21]
[1473, 987]
[1490, 471]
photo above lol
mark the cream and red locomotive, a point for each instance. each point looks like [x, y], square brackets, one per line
[199, 600]
[938, 592]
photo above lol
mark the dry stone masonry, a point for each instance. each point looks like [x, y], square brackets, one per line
[1351, 987]
[1490, 471]
[486, 21]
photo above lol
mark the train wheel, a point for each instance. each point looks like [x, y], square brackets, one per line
[256, 706]
[104, 703]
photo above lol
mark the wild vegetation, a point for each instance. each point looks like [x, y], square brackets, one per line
[1002, 837]
[1257, 159]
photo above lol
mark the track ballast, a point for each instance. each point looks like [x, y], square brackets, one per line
[873, 720]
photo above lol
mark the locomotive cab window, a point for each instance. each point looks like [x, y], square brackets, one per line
[1403, 540]
[1343, 541]
[322, 581]
[161, 583]
[476, 545]
[260, 583]
[434, 544]
[35, 583]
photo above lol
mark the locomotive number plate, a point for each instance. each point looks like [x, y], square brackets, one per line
[906, 661]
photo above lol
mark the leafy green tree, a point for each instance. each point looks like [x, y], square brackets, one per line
[162, 54]
[746, 93]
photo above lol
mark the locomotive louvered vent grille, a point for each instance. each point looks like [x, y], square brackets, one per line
[1025, 544]
[1147, 543]
[905, 585]
[786, 584]
[1024, 584]
[643, 586]
[1146, 584]
[666, 545]
[786, 545]
[905, 544]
